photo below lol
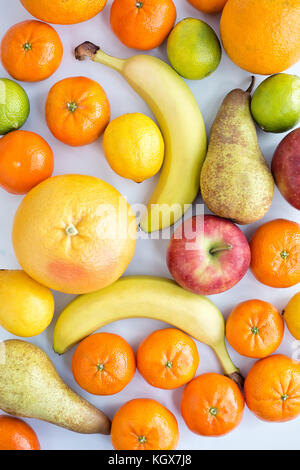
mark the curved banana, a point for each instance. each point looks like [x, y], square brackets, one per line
[180, 120]
[146, 297]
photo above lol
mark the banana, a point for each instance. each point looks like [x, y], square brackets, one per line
[180, 120]
[146, 297]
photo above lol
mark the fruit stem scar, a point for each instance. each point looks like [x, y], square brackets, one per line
[284, 254]
[284, 397]
[27, 46]
[139, 4]
[100, 367]
[255, 330]
[169, 364]
[214, 411]
[218, 249]
[142, 439]
[71, 230]
[72, 106]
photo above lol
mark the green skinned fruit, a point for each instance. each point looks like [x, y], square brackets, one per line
[275, 105]
[194, 49]
[30, 387]
[236, 182]
[14, 106]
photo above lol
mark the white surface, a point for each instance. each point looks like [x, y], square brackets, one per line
[150, 255]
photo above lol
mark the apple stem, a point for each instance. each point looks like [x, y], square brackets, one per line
[218, 249]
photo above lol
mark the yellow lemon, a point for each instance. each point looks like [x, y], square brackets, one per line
[134, 147]
[27, 307]
[291, 315]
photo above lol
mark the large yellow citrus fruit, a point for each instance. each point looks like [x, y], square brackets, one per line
[134, 147]
[262, 36]
[74, 233]
[27, 308]
[64, 11]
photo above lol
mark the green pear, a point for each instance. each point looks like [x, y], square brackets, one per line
[236, 182]
[30, 387]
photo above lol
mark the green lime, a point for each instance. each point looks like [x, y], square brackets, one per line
[194, 49]
[14, 106]
[275, 104]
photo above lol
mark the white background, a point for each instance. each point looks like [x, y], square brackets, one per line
[150, 255]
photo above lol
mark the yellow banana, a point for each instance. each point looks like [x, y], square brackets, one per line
[180, 120]
[146, 297]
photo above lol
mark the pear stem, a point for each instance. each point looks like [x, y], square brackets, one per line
[250, 88]
[93, 52]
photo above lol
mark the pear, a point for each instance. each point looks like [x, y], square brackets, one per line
[30, 387]
[236, 182]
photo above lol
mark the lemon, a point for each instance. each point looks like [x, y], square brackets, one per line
[291, 315]
[27, 307]
[134, 147]
[14, 106]
[194, 49]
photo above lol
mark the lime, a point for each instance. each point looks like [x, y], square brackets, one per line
[194, 49]
[14, 106]
[275, 104]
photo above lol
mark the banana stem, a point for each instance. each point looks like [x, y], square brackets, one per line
[229, 368]
[90, 50]
[108, 60]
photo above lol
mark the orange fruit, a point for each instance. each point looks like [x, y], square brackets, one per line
[74, 233]
[168, 358]
[77, 111]
[25, 160]
[15, 434]
[103, 364]
[275, 253]
[262, 36]
[142, 24]
[144, 424]
[272, 389]
[31, 51]
[255, 328]
[62, 11]
[212, 405]
[208, 6]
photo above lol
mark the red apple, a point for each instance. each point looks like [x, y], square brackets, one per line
[286, 167]
[208, 255]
